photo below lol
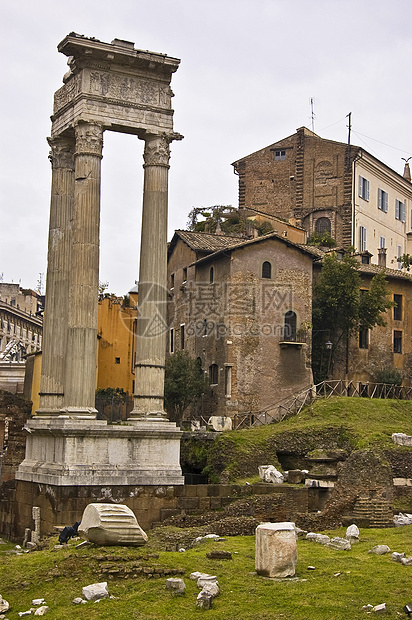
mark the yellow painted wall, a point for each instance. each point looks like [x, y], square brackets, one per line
[115, 344]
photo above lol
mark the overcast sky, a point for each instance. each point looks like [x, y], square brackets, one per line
[248, 71]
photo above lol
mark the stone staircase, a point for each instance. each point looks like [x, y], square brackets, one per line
[371, 510]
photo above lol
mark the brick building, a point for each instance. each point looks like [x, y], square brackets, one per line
[329, 186]
[242, 307]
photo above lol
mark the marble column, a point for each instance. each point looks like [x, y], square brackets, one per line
[80, 379]
[57, 283]
[151, 321]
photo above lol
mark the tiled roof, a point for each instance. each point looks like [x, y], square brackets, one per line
[206, 242]
[316, 253]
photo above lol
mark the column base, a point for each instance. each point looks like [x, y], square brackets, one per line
[64, 451]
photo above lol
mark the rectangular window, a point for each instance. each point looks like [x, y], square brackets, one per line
[399, 255]
[362, 239]
[383, 200]
[363, 338]
[117, 360]
[172, 280]
[184, 274]
[363, 188]
[397, 341]
[400, 212]
[280, 155]
[182, 336]
[172, 340]
[213, 374]
[397, 309]
[382, 242]
[228, 381]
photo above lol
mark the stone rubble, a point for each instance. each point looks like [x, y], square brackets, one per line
[177, 585]
[41, 611]
[95, 591]
[380, 608]
[79, 601]
[322, 539]
[398, 557]
[269, 473]
[340, 544]
[352, 534]
[380, 549]
[4, 605]
[401, 439]
[204, 600]
[38, 601]
[402, 519]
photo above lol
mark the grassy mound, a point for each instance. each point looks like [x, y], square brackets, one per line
[344, 423]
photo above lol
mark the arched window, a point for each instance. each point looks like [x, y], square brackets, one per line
[211, 275]
[289, 331]
[323, 225]
[266, 270]
[213, 374]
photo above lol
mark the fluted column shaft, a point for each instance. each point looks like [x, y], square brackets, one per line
[57, 282]
[84, 280]
[151, 321]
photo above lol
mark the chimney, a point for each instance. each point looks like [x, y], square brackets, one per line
[407, 172]
[382, 257]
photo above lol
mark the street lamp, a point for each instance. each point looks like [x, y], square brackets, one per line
[329, 346]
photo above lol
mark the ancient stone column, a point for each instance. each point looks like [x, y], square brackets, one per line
[80, 377]
[58, 269]
[151, 320]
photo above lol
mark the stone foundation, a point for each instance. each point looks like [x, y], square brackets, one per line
[151, 504]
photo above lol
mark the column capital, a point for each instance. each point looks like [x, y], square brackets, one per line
[157, 148]
[61, 153]
[89, 139]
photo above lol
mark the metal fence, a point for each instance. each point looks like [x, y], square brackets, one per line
[293, 405]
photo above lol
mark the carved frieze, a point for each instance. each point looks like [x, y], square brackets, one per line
[89, 139]
[67, 93]
[61, 153]
[129, 89]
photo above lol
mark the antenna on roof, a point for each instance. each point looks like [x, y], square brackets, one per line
[349, 126]
[312, 104]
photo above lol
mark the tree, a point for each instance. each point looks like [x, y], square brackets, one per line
[340, 308]
[184, 384]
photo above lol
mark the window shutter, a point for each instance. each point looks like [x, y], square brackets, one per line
[385, 202]
[367, 189]
[397, 209]
[380, 199]
[402, 209]
[360, 187]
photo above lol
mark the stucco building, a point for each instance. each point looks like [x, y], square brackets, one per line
[21, 327]
[328, 186]
[243, 308]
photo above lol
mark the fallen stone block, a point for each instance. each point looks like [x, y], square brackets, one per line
[38, 601]
[219, 555]
[340, 544]
[203, 580]
[177, 585]
[380, 549]
[322, 539]
[95, 591]
[398, 557]
[211, 588]
[276, 550]
[402, 519]
[204, 600]
[4, 605]
[269, 473]
[380, 609]
[41, 611]
[111, 524]
[78, 600]
[407, 561]
[352, 534]
[402, 439]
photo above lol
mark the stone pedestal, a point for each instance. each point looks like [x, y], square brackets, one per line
[66, 452]
[276, 550]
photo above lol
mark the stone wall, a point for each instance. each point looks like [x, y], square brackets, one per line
[14, 412]
[151, 504]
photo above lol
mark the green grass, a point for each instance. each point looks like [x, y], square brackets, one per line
[364, 578]
[348, 423]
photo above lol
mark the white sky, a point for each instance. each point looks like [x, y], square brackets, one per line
[248, 70]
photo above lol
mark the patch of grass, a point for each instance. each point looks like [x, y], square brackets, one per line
[339, 422]
[363, 578]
